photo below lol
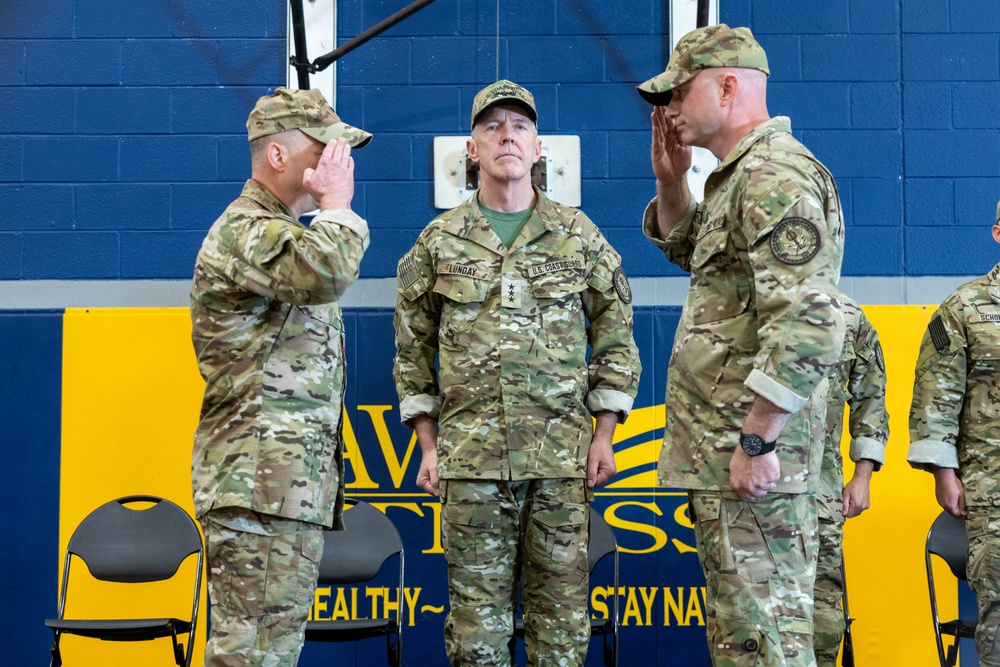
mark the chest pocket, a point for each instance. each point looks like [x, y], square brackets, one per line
[306, 357]
[461, 308]
[461, 289]
[983, 369]
[720, 287]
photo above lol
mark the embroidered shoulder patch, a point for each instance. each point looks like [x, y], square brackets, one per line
[406, 271]
[795, 241]
[879, 358]
[621, 285]
[939, 335]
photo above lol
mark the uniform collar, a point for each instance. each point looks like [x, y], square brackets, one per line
[257, 192]
[773, 126]
[474, 226]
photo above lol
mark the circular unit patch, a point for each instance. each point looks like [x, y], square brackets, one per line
[795, 241]
[622, 286]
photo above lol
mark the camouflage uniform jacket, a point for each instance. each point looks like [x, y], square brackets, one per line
[760, 318]
[858, 379]
[268, 335]
[515, 392]
[955, 414]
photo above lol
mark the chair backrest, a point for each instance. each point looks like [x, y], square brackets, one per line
[127, 545]
[947, 539]
[602, 539]
[357, 553]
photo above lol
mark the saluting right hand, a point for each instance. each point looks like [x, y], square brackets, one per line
[331, 183]
[671, 159]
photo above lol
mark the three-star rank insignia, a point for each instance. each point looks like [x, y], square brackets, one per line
[511, 290]
[795, 241]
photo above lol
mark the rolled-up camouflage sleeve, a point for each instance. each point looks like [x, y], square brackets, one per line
[417, 317]
[614, 366]
[869, 419]
[679, 245]
[938, 392]
[282, 260]
[795, 261]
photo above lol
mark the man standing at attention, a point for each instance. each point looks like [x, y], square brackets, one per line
[759, 333]
[507, 291]
[268, 333]
[955, 432]
[857, 379]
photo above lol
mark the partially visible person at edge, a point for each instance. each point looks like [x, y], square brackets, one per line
[268, 333]
[759, 333]
[955, 432]
[857, 379]
[506, 291]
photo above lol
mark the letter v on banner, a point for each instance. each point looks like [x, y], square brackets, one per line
[397, 468]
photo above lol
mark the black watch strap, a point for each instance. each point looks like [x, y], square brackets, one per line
[754, 445]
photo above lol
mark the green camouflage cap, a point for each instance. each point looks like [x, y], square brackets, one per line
[998, 212]
[712, 46]
[305, 110]
[503, 92]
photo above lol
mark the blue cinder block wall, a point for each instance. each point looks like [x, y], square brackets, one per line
[121, 123]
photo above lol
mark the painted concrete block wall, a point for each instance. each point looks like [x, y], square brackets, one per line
[121, 123]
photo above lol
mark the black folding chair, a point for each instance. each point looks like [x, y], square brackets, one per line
[947, 540]
[602, 543]
[355, 555]
[126, 545]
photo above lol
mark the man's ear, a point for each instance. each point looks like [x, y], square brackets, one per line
[996, 232]
[729, 84]
[277, 156]
[537, 153]
[470, 148]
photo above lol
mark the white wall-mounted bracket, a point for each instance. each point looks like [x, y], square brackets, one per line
[453, 182]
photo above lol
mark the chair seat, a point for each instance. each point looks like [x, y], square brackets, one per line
[962, 627]
[349, 630]
[125, 630]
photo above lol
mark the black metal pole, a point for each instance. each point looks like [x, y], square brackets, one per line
[300, 61]
[325, 61]
[702, 14]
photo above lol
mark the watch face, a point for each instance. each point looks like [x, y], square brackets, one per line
[751, 444]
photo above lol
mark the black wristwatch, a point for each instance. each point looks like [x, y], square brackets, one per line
[754, 445]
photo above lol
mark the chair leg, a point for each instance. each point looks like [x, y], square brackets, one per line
[56, 659]
[952, 657]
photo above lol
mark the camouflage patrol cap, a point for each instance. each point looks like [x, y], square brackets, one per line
[305, 110]
[712, 46]
[503, 92]
[998, 212]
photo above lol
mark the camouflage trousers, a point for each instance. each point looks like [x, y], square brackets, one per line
[828, 619]
[503, 537]
[759, 561]
[262, 575]
[983, 527]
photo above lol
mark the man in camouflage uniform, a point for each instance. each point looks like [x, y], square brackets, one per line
[507, 290]
[955, 432]
[858, 379]
[760, 331]
[268, 335]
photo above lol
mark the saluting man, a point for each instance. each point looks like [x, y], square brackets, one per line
[267, 466]
[758, 335]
